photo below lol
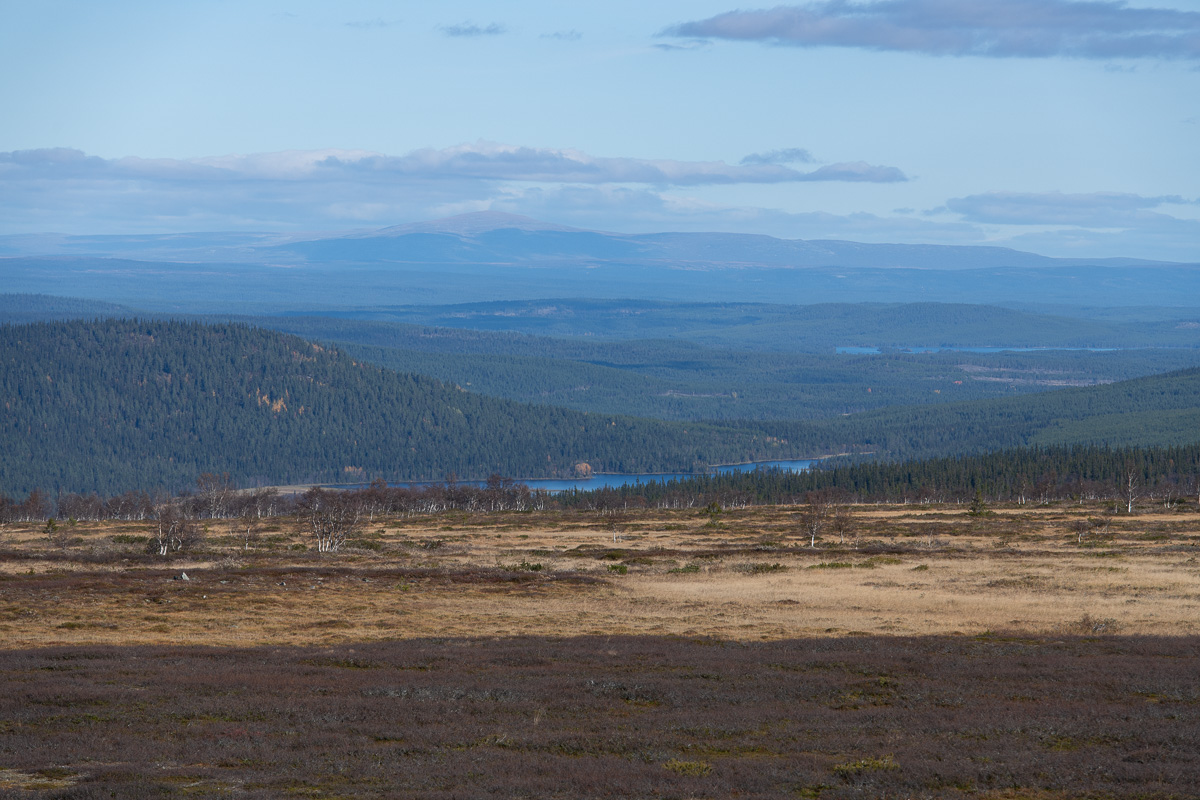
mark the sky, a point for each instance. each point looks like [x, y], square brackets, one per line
[1061, 127]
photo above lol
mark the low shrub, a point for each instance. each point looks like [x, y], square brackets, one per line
[695, 769]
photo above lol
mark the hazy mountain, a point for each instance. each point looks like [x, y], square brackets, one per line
[489, 256]
[490, 237]
[471, 224]
[507, 238]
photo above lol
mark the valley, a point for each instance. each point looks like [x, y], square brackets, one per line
[580, 401]
[995, 543]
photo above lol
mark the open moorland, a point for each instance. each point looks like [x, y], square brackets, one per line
[749, 574]
[911, 651]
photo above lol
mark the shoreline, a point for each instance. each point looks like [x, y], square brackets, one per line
[300, 488]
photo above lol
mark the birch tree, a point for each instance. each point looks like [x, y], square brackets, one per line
[173, 532]
[332, 517]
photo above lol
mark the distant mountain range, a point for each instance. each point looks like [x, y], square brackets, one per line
[495, 238]
[490, 256]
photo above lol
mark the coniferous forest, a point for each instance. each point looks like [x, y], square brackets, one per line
[116, 405]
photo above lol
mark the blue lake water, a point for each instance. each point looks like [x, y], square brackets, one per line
[616, 480]
[871, 351]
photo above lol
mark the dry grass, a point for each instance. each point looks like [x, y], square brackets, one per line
[481, 655]
[906, 571]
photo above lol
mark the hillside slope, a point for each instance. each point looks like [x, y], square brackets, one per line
[812, 328]
[1157, 410]
[115, 405]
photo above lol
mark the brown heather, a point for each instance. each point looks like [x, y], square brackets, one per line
[918, 652]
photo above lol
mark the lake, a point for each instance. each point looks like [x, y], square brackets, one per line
[873, 351]
[617, 480]
[611, 480]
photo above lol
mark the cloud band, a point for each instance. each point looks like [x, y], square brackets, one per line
[1009, 29]
[480, 161]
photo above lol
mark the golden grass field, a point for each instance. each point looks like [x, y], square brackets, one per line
[748, 575]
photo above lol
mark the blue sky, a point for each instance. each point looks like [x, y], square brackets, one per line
[1066, 128]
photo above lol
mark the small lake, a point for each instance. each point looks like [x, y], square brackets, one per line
[610, 480]
[873, 351]
[617, 480]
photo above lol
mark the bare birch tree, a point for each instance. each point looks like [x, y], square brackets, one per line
[815, 515]
[1130, 489]
[214, 492]
[173, 532]
[254, 506]
[332, 517]
[842, 524]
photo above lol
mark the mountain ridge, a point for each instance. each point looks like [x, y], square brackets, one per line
[499, 237]
[470, 224]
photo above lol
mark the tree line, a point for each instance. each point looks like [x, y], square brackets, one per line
[1019, 475]
[332, 515]
[1124, 476]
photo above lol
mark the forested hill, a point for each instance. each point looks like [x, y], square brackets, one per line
[115, 405]
[19, 308]
[1153, 411]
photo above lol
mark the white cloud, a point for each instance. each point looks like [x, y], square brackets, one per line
[644, 210]
[377, 23]
[471, 30]
[1086, 224]
[1094, 210]
[489, 161]
[479, 161]
[68, 191]
[996, 28]
[788, 155]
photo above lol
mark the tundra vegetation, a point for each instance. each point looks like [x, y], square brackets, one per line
[1022, 623]
[478, 641]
